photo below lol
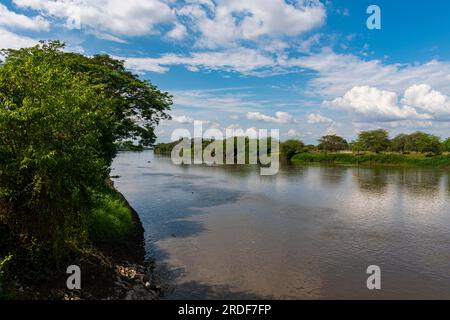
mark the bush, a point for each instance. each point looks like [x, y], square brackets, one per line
[50, 148]
[3, 264]
[290, 148]
[110, 219]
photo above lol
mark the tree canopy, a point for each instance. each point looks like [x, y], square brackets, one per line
[332, 143]
[60, 117]
[290, 148]
[137, 105]
[375, 141]
[417, 142]
[446, 145]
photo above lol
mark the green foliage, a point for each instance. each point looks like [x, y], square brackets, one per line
[400, 143]
[290, 148]
[446, 145]
[110, 220]
[332, 143]
[3, 265]
[389, 159]
[136, 105]
[166, 148]
[50, 145]
[60, 116]
[129, 146]
[374, 141]
[417, 142]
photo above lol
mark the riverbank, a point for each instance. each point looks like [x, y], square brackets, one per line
[373, 159]
[114, 268]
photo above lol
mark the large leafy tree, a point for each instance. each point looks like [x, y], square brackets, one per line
[375, 140]
[137, 105]
[332, 143]
[290, 148]
[446, 145]
[424, 142]
[60, 117]
[417, 142]
[51, 129]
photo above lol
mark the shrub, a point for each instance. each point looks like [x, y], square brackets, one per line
[3, 264]
[110, 219]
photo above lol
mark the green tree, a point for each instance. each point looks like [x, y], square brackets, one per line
[137, 105]
[424, 143]
[332, 143]
[374, 141]
[50, 146]
[290, 148]
[60, 116]
[446, 145]
[400, 143]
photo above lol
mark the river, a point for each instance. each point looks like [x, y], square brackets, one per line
[309, 232]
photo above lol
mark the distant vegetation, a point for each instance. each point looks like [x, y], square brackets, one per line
[371, 147]
[376, 148]
[129, 146]
[166, 148]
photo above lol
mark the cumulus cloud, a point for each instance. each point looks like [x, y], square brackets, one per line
[10, 40]
[318, 119]
[224, 22]
[335, 74]
[125, 18]
[179, 32]
[419, 103]
[183, 119]
[188, 120]
[423, 97]
[12, 20]
[280, 117]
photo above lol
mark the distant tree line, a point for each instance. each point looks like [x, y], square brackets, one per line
[376, 141]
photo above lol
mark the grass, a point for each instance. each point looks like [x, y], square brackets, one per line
[111, 219]
[383, 159]
[3, 263]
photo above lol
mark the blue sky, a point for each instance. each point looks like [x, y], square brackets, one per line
[306, 67]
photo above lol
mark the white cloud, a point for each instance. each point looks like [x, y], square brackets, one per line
[183, 119]
[221, 99]
[179, 32]
[224, 22]
[242, 60]
[13, 20]
[318, 119]
[423, 97]
[124, 18]
[187, 120]
[11, 40]
[373, 104]
[335, 74]
[280, 117]
[292, 133]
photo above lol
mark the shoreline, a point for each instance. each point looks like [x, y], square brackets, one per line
[109, 271]
[382, 160]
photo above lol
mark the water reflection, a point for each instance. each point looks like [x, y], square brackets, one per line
[309, 232]
[372, 181]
